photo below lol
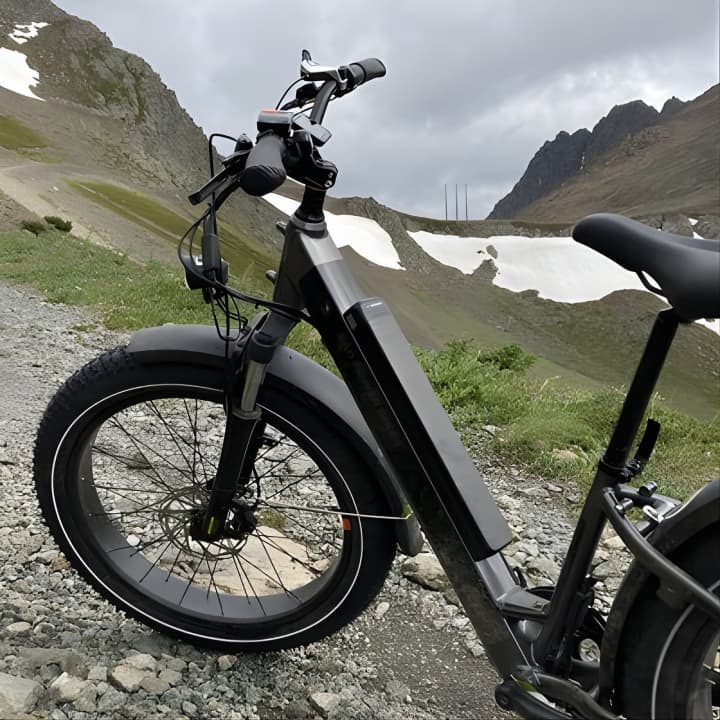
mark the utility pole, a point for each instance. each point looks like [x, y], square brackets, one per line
[456, 202]
[446, 201]
[466, 209]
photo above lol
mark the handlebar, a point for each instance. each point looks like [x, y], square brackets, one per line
[264, 169]
[365, 70]
[288, 142]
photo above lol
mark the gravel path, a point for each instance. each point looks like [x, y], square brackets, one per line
[65, 653]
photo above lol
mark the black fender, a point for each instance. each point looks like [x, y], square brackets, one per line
[678, 527]
[200, 345]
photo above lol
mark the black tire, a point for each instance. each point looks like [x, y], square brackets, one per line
[117, 480]
[668, 664]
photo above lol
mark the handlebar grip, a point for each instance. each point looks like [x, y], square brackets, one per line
[264, 170]
[366, 70]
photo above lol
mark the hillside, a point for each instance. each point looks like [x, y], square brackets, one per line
[635, 161]
[97, 138]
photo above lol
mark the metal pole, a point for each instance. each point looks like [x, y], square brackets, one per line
[456, 203]
[466, 212]
[446, 201]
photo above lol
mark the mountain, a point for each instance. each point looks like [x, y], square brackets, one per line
[91, 133]
[636, 161]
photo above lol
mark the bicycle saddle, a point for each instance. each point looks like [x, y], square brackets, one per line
[687, 270]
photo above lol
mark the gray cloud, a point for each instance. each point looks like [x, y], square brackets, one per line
[473, 88]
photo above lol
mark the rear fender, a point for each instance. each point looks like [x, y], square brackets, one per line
[289, 369]
[678, 528]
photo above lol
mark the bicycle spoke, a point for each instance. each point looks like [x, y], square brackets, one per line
[171, 432]
[252, 587]
[136, 442]
[281, 549]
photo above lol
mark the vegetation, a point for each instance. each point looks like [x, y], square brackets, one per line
[58, 223]
[127, 295]
[14, 135]
[557, 431]
[248, 260]
[135, 206]
[33, 226]
[548, 427]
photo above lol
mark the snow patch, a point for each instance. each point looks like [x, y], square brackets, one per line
[558, 268]
[363, 235]
[693, 221]
[22, 33]
[713, 325]
[697, 237]
[16, 74]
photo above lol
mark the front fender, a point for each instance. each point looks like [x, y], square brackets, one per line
[200, 344]
[678, 528]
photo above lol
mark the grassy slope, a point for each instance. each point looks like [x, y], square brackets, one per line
[248, 259]
[14, 135]
[494, 387]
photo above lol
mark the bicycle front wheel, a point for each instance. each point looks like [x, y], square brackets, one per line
[124, 460]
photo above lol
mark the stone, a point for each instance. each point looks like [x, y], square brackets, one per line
[425, 569]
[127, 678]
[111, 700]
[381, 609]
[172, 677]
[154, 685]
[46, 557]
[225, 662]
[565, 456]
[65, 688]
[18, 628]
[98, 673]
[397, 690]
[18, 694]
[141, 661]
[190, 709]
[174, 663]
[614, 543]
[324, 702]
[68, 660]
[86, 701]
[545, 566]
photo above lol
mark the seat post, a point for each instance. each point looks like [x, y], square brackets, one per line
[641, 389]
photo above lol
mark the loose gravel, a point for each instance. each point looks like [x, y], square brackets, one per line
[66, 654]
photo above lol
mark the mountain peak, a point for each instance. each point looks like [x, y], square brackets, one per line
[570, 157]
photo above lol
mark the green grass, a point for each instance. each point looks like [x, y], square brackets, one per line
[547, 426]
[248, 260]
[557, 431]
[137, 207]
[15, 136]
[127, 295]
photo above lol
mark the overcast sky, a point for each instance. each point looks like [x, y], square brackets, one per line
[472, 91]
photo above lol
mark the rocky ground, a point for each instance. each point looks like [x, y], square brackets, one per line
[67, 654]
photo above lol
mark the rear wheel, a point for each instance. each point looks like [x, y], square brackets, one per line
[668, 665]
[124, 459]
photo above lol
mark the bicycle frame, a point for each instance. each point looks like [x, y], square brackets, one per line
[525, 634]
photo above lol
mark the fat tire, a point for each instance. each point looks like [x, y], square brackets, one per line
[661, 654]
[70, 415]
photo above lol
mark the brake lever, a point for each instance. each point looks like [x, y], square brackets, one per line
[233, 165]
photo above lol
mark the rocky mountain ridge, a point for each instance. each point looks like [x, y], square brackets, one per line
[79, 66]
[569, 155]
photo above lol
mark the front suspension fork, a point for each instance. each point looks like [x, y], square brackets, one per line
[244, 428]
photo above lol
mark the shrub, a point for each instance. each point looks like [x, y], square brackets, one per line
[58, 223]
[33, 226]
[508, 357]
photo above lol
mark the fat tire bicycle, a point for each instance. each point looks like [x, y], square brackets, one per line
[225, 489]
